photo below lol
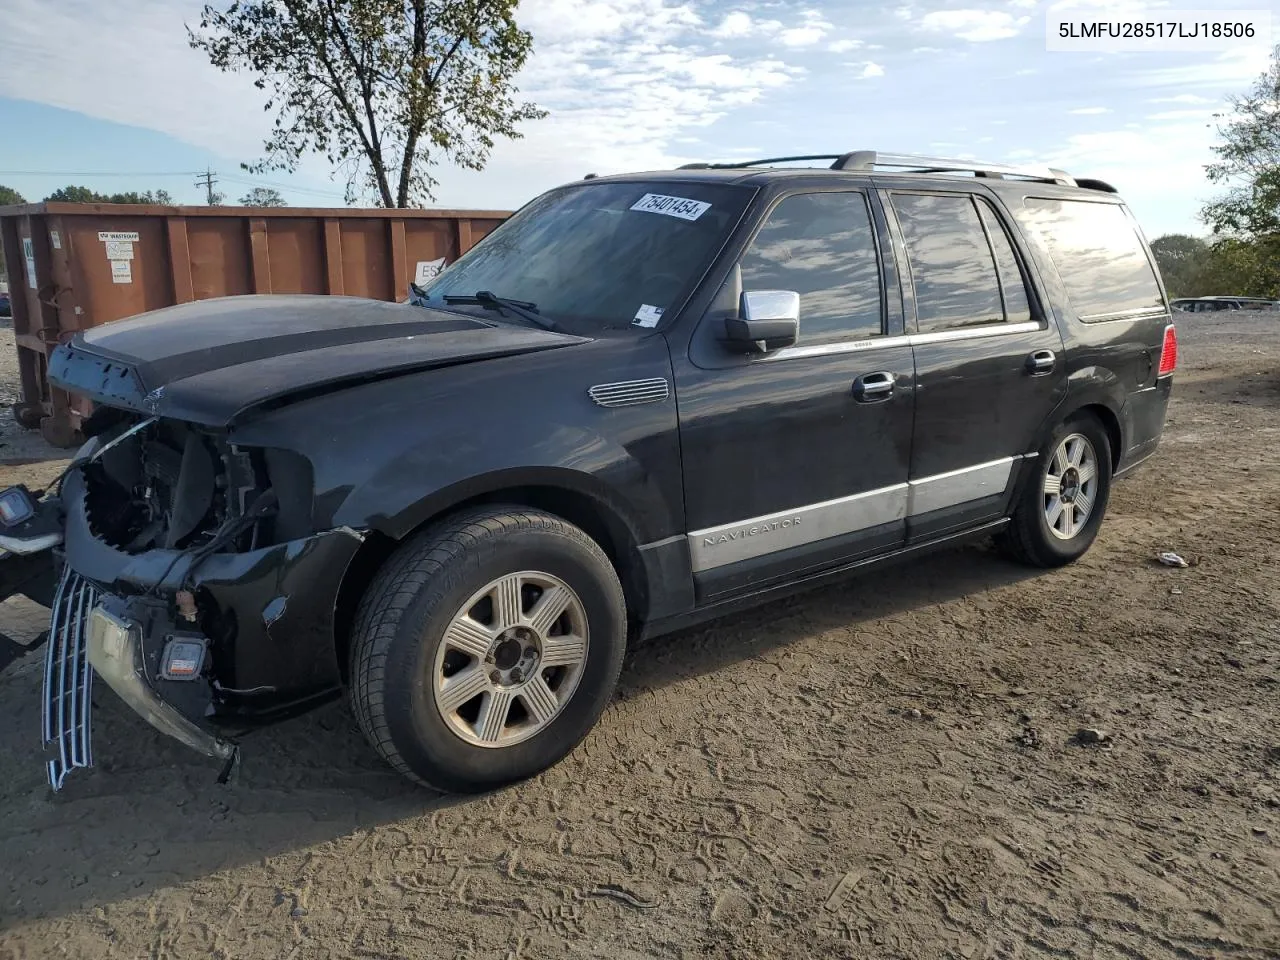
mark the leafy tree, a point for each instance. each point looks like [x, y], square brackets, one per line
[263, 197]
[1249, 161]
[1181, 258]
[75, 194]
[8, 196]
[383, 88]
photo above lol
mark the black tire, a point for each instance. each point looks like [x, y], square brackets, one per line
[400, 625]
[1028, 537]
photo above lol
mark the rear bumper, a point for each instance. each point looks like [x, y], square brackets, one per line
[1142, 423]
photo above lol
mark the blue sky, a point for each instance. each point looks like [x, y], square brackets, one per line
[112, 88]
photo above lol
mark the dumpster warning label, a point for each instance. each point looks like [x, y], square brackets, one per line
[106, 236]
[426, 271]
[119, 250]
[122, 271]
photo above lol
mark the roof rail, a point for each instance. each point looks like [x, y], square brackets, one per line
[757, 163]
[868, 160]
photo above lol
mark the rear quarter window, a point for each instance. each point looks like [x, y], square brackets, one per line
[1098, 254]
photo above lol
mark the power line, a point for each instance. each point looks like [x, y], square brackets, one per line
[207, 180]
[99, 173]
[256, 182]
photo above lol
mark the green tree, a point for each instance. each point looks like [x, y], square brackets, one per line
[384, 89]
[263, 197]
[75, 194]
[8, 196]
[1246, 219]
[1248, 161]
[1182, 259]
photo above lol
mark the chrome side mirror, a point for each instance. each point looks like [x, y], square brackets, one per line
[767, 320]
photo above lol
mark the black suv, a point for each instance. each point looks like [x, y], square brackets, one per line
[640, 402]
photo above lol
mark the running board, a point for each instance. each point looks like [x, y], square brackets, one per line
[68, 678]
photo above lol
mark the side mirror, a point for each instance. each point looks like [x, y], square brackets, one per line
[767, 320]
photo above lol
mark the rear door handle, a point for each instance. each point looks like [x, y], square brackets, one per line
[1041, 362]
[871, 387]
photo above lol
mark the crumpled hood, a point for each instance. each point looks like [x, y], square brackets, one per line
[213, 361]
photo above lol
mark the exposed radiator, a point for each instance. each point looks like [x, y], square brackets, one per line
[68, 678]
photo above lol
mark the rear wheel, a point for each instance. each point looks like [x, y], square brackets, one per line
[487, 648]
[1062, 505]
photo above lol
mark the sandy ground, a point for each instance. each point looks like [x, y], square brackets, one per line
[884, 769]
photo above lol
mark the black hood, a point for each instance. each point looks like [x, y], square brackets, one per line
[212, 361]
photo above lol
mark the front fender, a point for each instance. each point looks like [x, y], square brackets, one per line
[388, 455]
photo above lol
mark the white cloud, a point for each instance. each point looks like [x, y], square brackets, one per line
[870, 70]
[1089, 111]
[735, 24]
[976, 26]
[558, 21]
[1182, 98]
[844, 46]
[1179, 115]
[629, 83]
[811, 30]
[132, 66]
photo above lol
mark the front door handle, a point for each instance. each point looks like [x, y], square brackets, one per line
[871, 387]
[1041, 362]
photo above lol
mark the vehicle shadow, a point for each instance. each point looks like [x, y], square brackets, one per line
[150, 814]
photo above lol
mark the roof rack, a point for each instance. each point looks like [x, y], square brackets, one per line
[869, 160]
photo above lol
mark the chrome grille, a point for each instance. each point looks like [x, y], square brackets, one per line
[68, 678]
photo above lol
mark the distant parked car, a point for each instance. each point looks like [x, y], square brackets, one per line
[6, 308]
[1216, 303]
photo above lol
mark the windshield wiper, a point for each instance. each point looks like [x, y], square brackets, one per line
[521, 308]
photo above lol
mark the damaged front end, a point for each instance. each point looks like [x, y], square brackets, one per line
[193, 583]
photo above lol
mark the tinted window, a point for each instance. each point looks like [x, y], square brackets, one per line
[951, 266]
[1098, 255]
[821, 245]
[601, 254]
[1013, 287]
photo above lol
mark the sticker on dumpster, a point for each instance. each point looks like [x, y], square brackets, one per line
[647, 316]
[427, 270]
[119, 250]
[122, 237]
[122, 271]
[56, 239]
[671, 206]
[29, 254]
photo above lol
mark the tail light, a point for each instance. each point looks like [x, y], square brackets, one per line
[1169, 352]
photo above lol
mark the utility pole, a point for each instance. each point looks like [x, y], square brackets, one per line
[207, 180]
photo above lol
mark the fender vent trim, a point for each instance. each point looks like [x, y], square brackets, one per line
[626, 393]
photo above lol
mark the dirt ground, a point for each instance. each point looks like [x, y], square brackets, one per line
[883, 769]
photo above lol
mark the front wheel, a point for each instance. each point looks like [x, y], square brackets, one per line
[487, 648]
[1061, 508]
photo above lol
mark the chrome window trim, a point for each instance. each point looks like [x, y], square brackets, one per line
[1146, 313]
[914, 339]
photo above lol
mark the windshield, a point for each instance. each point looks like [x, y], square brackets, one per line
[602, 255]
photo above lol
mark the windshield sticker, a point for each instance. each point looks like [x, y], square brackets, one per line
[647, 316]
[671, 206]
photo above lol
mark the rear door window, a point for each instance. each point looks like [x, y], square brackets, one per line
[953, 270]
[1099, 256]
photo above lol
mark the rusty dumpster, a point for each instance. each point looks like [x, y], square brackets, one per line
[72, 266]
